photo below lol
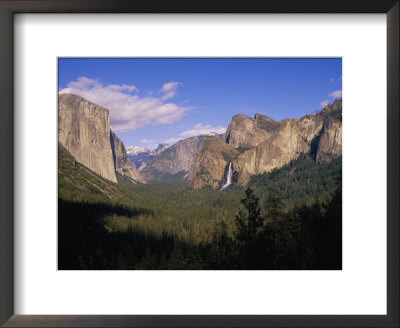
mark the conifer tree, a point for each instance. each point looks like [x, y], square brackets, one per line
[250, 220]
[248, 223]
[273, 207]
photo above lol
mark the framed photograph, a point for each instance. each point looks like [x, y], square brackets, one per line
[199, 165]
[149, 180]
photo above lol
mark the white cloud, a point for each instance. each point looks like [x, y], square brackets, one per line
[335, 80]
[335, 94]
[172, 140]
[169, 89]
[197, 130]
[324, 103]
[147, 141]
[127, 111]
[152, 146]
[115, 87]
[200, 128]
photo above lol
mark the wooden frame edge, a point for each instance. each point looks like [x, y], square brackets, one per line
[6, 164]
[7, 10]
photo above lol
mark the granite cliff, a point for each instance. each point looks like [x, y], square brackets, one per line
[253, 146]
[260, 144]
[84, 130]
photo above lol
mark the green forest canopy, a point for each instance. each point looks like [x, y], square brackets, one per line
[103, 225]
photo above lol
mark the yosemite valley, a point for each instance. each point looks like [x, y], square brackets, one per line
[265, 194]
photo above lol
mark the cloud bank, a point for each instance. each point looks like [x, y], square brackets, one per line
[197, 130]
[169, 89]
[128, 111]
[335, 94]
[147, 141]
[201, 128]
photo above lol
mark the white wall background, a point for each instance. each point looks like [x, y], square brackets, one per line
[360, 288]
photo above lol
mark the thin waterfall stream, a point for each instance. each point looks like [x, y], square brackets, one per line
[228, 177]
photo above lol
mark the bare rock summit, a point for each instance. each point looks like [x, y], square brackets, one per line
[260, 144]
[84, 130]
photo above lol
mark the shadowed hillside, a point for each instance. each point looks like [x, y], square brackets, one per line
[103, 225]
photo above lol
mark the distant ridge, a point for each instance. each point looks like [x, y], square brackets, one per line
[140, 156]
[174, 164]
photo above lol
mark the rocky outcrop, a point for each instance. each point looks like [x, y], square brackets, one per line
[260, 144]
[84, 130]
[176, 163]
[259, 129]
[253, 145]
[160, 148]
[122, 163]
[211, 162]
[330, 142]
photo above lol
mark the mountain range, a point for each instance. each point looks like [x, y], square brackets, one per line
[261, 144]
[140, 156]
[250, 146]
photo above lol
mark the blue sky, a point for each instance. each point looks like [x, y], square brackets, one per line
[155, 100]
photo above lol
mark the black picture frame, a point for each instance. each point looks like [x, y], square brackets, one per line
[7, 10]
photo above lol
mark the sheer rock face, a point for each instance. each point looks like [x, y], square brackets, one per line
[211, 162]
[255, 133]
[259, 145]
[330, 143]
[122, 163]
[84, 130]
[175, 164]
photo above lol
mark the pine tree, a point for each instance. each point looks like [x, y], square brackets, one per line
[250, 220]
[273, 207]
[248, 224]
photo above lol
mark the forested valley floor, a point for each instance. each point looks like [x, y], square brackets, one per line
[288, 219]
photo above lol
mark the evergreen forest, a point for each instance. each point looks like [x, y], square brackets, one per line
[288, 219]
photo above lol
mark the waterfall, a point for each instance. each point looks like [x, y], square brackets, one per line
[228, 177]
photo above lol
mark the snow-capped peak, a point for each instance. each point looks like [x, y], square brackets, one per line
[134, 150]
